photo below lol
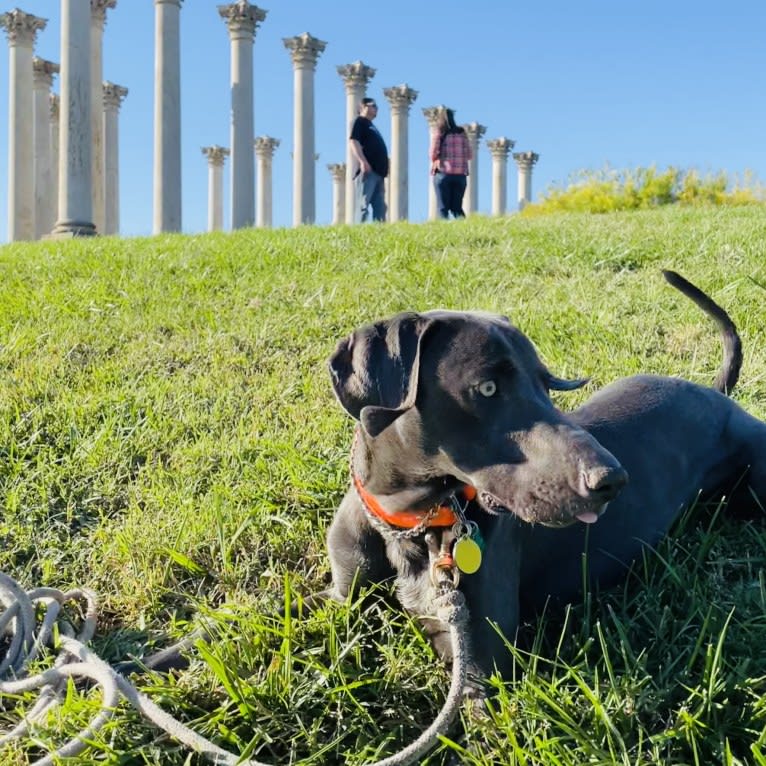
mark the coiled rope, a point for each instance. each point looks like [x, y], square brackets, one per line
[28, 636]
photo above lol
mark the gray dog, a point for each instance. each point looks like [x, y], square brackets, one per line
[459, 444]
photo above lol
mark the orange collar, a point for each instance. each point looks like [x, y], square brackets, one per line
[438, 516]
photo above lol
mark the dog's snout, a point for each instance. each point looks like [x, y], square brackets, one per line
[604, 482]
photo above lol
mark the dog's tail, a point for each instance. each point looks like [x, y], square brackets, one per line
[728, 374]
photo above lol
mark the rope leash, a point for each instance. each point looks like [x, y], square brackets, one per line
[26, 641]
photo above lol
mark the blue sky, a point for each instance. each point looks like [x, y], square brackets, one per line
[582, 83]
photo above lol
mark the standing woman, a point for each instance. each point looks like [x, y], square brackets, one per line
[450, 154]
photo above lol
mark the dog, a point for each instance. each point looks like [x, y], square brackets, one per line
[457, 438]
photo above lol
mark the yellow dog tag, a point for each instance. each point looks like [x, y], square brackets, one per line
[467, 555]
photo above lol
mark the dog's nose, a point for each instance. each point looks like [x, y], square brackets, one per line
[604, 483]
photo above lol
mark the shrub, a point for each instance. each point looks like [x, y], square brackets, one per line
[608, 190]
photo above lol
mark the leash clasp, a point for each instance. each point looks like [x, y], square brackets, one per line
[443, 569]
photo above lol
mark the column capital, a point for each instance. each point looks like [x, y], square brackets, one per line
[431, 113]
[216, 155]
[242, 18]
[525, 160]
[98, 10]
[400, 97]
[500, 147]
[355, 74]
[337, 171]
[265, 146]
[304, 50]
[168, 2]
[114, 95]
[20, 27]
[43, 71]
[54, 103]
[474, 130]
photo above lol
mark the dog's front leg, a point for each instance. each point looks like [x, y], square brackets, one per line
[357, 551]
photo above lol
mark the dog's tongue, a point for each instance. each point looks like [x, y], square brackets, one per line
[587, 517]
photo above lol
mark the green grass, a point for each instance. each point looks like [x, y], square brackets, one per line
[169, 437]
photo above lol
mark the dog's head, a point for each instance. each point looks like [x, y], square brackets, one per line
[447, 398]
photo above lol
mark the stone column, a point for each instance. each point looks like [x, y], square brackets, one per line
[400, 98]
[431, 113]
[338, 173]
[216, 156]
[525, 162]
[304, 50]
[264, 150]
[21, 29]
[356, 77]
[474, 131]
[167, 116]
[45, 213]
[75, 211]
[112, 96]
[54, 144]
[242, 19]
[98, 10]
[499, 149]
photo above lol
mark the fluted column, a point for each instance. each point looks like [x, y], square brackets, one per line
[167, 116]
[54, 144]
[75, 211]
[98, 10]
[499, 149]
[431, 113]
[264, 151]
[401, 99]
[474, 131]
[356, 77]
[21, 29]
[242, 19]
[304, 50]
[216, 156]
[45, 213]
[338, 173]
[525, 161]
[112, 96]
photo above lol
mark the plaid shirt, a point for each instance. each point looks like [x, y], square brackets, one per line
[455, 152]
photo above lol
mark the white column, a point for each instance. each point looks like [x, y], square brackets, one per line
[75, 212]
[401, 99]
[21, 29]
[167, 116]
[525, 161]
[98, 10]
[499, 149]
[113, 96]
[242, 19]
[45, 213]
[474, 131]
[216, 156]
[431, 113]
[264, 150]
[54, 143]
[304, 50]
[356, 77]
[338, 173]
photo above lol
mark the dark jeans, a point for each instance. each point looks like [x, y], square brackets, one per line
[450, 189]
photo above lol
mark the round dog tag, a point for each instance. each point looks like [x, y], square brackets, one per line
[467, 555]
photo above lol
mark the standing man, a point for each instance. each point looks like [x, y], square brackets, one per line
[369, 149]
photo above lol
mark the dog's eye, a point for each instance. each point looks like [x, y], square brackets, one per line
[487, 388]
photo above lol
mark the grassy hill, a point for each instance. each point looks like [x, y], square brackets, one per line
[169, 438]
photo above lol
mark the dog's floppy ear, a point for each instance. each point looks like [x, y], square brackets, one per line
[560, 384]
[375, 371]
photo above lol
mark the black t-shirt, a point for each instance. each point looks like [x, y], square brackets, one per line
[372, 143]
